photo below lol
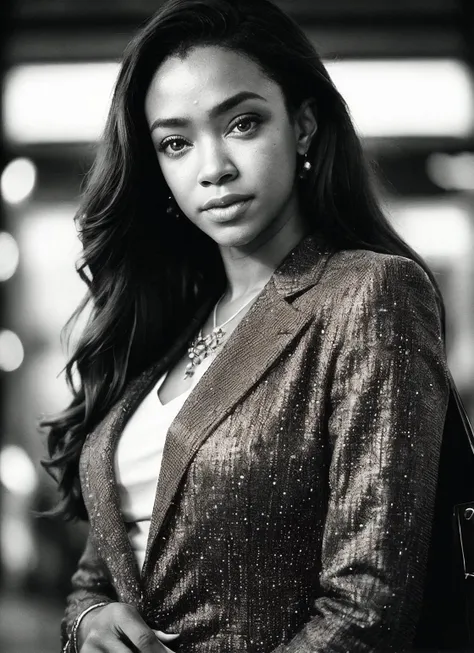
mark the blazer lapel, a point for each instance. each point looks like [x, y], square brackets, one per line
[259, 339]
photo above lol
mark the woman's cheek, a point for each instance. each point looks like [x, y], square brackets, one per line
[179, 185]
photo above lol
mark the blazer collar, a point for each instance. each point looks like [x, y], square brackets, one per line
[259, 339]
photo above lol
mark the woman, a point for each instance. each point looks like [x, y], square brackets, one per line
[256, 430]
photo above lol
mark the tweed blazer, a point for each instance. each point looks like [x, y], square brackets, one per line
[295, 498]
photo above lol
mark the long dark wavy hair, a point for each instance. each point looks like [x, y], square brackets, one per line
[147, 273]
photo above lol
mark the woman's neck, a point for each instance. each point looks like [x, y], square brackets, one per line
[249, 268]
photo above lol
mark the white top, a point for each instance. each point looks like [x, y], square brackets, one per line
[138, 458]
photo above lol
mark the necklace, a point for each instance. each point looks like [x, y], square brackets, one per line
[202, 346]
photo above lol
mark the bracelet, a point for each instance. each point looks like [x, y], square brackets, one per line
[75, 627]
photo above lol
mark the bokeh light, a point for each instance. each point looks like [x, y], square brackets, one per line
[409, 97]
[452, 171]
[11, 351]
[59, 102]
[17, 472]
[9, 256]
[435, 228]
[18, 180]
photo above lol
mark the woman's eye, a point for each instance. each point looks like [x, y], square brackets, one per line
[172, 146]
[246, 124]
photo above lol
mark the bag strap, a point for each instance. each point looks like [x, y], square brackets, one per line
[462, 412]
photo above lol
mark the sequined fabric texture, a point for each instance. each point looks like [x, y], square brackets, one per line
[295, 499]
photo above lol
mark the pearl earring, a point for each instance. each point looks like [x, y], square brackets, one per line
[305, 168]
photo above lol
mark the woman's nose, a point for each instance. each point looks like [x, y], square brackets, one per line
[216, 168]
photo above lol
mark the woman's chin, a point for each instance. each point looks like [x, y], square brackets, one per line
[236, 237]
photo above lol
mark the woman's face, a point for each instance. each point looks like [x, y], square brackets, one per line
[223, 136]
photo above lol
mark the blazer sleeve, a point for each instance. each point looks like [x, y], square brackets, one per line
[388, 400]
[91, 584]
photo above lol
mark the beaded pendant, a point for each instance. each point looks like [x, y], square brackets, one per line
[201, 347]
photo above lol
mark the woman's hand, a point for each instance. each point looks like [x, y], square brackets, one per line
[118, 628]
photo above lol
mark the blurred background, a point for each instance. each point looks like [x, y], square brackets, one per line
[405, 68]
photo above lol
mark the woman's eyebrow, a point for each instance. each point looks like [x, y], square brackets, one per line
[218, 110]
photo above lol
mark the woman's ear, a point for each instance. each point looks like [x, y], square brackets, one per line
[305, 125]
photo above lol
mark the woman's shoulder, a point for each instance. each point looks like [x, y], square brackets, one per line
[366, 261]
[362, 268]
[364, 277]
[365, 292]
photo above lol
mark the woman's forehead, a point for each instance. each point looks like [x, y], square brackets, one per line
[204, 77]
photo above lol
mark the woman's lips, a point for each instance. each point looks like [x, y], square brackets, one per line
[229, 212]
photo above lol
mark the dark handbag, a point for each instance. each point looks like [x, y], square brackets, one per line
[447, 620]
[463, 520]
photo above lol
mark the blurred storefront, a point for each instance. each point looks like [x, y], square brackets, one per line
[405, 69]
